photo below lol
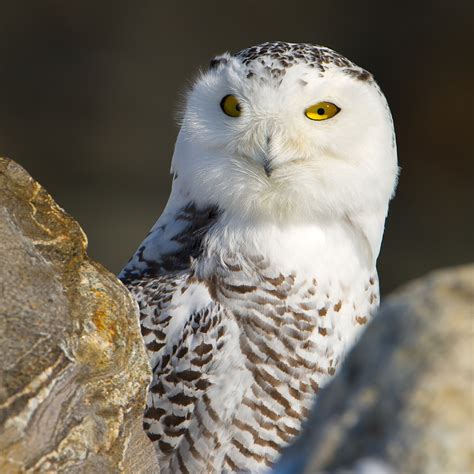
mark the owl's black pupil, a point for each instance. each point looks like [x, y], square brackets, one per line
[237, 107]
[321, 111]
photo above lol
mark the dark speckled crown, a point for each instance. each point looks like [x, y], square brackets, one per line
[274, 58]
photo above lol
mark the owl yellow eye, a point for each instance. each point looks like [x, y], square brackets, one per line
[322, 111]
[231, 106]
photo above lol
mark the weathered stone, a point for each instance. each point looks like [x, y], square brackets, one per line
[73, 371]
[404, 399]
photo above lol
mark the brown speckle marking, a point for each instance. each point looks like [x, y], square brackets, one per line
[188, 375]
[257, 439]
[279, 294]
[192, 449]
[322, 331]
[231, 463]
[296, 394]
[314, 386]
[262, 375]
[182, 466]
[275, 281]
[170, 432]
[203, 349]
[246, 452]
[211, 412]
[233, 267]
[261, 408]
[242, 289]
[206, 433]
[301, 317]
[200, 362]
[359, 74]
[165, 447]
[153, 437]
[158, 388]
[338, 306]
[309, 345]
[154, 346]
[322, 312]
[277, 57]
[173, 420]
[182, 352]
[182, 399]
[283, 435]
[304, 387]
[280, 399]
[203, 384]
[154, 413]
[291, 431]
[361, 320]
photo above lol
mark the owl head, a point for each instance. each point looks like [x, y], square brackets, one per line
[287, 132]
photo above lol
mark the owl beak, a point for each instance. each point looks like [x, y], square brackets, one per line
[267, 161]
[262, 154]
[267, 166]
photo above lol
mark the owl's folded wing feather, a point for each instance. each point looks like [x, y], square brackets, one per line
[183, 330]
[174, 239]
[180, 322]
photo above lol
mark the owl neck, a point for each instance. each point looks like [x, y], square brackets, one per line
[332, 248]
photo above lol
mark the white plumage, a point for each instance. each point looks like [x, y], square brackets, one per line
[260, 273]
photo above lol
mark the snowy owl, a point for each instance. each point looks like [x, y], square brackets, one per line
[261, 272]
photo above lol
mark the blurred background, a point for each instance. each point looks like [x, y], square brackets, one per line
[88, 94]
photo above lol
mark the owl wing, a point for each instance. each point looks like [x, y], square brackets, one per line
[183, 331]
[180, 322]
[173, 241]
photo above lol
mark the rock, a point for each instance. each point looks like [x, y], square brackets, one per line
[73, 371]
[404, 399]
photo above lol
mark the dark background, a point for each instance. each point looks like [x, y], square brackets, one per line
[88, 93]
